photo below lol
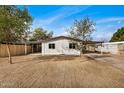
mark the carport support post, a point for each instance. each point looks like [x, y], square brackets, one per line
[32, 48]
[37, 47]
[41, 47]
[25, 49]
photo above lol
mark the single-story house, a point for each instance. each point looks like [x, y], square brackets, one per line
[60, 46]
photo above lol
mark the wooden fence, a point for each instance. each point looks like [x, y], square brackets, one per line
[14, 50]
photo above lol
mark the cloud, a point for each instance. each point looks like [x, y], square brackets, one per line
[119, 22]
[59, 14]
[106, 31]
[38, 22]
[63, 33]
[66, 11]
[106, 20]
[70, 10]
[60, 31]
[99, 36]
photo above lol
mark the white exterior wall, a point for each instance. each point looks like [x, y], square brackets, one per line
[111, 48]
[61, 47]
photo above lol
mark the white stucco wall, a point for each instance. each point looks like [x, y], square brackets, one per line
[61, 47]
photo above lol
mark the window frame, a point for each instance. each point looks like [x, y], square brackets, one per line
[51, 45]
[72, 45]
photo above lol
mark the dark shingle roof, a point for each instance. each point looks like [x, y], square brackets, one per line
[61, 37]
[69, 38]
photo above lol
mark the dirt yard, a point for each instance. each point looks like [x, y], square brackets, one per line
[58, 71]
[114, 60]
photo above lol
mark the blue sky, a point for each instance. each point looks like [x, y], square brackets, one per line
[58, 18]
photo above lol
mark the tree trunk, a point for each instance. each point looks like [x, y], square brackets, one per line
[83, 50]
[9, 54]
[80, 53]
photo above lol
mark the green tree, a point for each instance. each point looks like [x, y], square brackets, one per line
[82, 29]
[40, 34]
[14, 24]
[118, 36]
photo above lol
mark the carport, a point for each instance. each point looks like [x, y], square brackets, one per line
[35, 46]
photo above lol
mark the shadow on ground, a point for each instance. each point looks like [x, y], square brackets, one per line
[101, 56]
[56, 58]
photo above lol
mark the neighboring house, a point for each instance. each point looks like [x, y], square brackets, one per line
[112, 47]
[60, 46]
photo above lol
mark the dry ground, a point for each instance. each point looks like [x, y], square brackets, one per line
[58, 71]
[114, 60]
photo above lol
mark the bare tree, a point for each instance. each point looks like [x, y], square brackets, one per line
[82, 30]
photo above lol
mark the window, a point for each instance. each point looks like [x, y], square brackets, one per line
[72, 45]
[51, 46]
